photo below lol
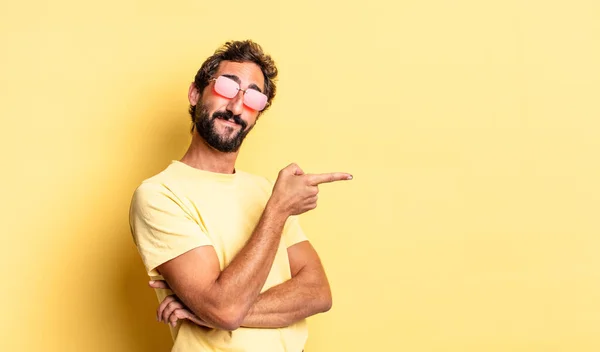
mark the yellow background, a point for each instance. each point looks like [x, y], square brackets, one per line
[471, 127]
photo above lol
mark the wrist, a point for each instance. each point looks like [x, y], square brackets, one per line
[275, 212]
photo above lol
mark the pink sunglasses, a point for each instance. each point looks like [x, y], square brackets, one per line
[229, 88]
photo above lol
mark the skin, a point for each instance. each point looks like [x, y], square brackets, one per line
[231, 298]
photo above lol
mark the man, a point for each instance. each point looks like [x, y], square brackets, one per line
[226, 243]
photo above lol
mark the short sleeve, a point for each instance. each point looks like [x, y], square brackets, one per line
[161, 226]
[292, 232]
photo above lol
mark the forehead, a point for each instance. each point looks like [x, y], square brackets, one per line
[247, 72]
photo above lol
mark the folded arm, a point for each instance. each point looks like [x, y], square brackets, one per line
[307, 293]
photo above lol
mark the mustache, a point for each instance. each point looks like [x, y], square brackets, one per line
[228, 115]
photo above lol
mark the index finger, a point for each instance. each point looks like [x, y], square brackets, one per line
[315, 179]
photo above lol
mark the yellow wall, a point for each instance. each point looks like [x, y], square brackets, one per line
[471, 127]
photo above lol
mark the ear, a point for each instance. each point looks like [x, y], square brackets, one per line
[193, 94]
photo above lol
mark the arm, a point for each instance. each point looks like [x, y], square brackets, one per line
[223, 298]
[307, 293]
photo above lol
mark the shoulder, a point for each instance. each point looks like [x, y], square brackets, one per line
[148, 189]
[153, 189]
[148, 196]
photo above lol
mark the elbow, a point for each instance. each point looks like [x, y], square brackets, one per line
[326, 301]
[221, 314]
[327, 305]
[229, 324]
[228, 318]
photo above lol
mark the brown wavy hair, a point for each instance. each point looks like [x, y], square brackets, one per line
[238, 51]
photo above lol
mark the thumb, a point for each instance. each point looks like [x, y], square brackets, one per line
[293, 169]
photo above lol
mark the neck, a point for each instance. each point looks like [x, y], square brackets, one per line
[202, 156]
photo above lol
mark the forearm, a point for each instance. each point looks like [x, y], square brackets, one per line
[239, 284]
[287, 303]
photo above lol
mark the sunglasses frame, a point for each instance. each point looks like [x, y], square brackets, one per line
[237, 92]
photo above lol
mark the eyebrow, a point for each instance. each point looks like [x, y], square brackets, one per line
[237, 79]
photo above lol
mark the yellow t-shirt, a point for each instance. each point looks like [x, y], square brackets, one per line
[182, 208]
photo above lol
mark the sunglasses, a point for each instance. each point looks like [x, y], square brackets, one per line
[229, 88]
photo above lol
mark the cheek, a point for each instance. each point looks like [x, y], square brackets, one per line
[250, 116]
[213, 102]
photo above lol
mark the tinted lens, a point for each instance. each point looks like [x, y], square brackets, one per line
[226, 87]
[255, 99]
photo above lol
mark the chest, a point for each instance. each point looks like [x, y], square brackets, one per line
[227, 216]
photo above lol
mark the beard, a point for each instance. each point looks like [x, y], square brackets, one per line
[205, 125]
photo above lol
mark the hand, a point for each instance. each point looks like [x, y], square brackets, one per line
[171, 309]
[295, 192]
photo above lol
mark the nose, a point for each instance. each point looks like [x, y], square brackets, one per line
[236, 104]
